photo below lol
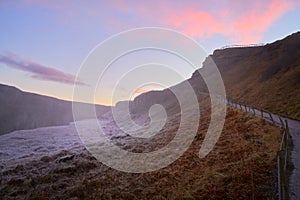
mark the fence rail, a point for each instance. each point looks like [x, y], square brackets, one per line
[282, 155]
[241, 46]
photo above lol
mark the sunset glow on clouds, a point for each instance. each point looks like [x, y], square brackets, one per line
[36, 70]
[62, 33]
[146, 88]
[242, 22]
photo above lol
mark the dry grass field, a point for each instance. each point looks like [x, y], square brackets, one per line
[241, 166]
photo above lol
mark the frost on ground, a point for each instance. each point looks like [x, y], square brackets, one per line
[52, 163]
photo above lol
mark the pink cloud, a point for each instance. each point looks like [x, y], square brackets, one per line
[195, 23]
[147, 88]
[240, 22]
[140, 91]
[251, 26]
[38, 71]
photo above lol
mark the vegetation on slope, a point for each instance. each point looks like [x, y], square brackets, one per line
[266, 77]
[241, 166]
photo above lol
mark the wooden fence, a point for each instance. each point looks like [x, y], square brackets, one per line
[241, 46]
[282, 155]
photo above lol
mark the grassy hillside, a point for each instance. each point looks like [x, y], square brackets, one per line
[266, 77]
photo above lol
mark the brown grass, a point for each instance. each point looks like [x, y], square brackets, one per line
[237, 168]
[266, 77]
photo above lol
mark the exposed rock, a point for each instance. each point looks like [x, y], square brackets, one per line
[66, 158]
[257, 141]
[246, 136]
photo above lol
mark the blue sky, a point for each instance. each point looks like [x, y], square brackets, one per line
[43, 43]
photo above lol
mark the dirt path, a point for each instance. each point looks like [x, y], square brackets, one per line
[294, 126]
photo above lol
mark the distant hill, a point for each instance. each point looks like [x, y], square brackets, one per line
[22, 110]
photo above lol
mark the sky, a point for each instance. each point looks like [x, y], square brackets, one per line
[44, 42]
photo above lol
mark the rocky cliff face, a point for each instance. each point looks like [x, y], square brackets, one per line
[23, 110]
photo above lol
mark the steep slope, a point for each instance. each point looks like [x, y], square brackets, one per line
[23, 110]
[266, 77]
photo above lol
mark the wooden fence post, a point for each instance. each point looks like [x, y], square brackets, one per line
[281, 122]
[287, 126]
[271, 118]
[283, 179]
[286, 141]
[279, 175]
